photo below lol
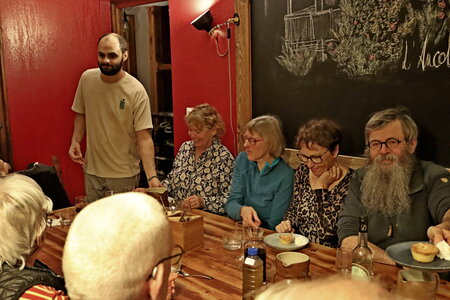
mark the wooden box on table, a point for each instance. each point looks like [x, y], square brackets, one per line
[187, 234]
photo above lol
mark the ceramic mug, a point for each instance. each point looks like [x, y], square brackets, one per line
[417, 285]
[291, 265]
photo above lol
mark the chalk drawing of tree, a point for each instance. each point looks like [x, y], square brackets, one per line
[370, 35]
[433, 21]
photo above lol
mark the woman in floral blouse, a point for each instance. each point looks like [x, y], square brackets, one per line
[201, 173]
[320, 186]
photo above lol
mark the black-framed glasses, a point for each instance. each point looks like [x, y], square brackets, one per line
[251, 141]
[175, 258]
[317, 159]
[391, 143]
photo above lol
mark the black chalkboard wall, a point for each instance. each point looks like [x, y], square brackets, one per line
[346, 62]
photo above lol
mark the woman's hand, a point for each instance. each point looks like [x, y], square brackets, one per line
[329, 176]
[250, 216]
[171, 285]
[284, 226]
[193, 202]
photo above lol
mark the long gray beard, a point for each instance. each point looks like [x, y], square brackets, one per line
[385, 191]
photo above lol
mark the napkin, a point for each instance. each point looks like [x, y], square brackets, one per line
[444, 250]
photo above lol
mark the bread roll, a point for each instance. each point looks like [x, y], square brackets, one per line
[424, 252]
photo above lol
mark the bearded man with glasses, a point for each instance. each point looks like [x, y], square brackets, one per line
[405, 199]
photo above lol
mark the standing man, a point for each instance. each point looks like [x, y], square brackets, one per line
[405, 199]
[113, 109]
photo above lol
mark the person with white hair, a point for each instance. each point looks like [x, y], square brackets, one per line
[119, 247]
[329, 288]
[23, 212]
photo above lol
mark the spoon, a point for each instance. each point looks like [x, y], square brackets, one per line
[184, 274]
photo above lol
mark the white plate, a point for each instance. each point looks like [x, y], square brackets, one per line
[273, 241]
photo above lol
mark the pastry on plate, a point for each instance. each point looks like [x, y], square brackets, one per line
[424, 252]
[286, 238]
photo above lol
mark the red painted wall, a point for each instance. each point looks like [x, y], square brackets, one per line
[47, 45]
[199, 75]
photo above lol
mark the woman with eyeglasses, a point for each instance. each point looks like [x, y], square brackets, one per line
[262, 181]
[23, 216]
[320, 186]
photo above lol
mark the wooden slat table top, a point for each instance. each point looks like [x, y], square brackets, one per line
[224, 266]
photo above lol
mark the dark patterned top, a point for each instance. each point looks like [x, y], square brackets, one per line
[209, 177]
[314, 213]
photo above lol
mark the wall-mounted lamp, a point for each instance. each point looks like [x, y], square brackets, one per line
[204, 21]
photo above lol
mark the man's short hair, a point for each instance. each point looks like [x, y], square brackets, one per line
[384, 117]
[122, 41]
[269, 128]
[113, 246]
[23, 212]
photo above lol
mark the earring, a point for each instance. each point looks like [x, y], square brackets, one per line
[155, 270]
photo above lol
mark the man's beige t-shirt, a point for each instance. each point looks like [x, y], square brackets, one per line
[114, 112]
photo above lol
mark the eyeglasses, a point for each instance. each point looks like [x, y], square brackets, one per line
[176, 258]
[391, 143]
[314, 158]
[251, 141]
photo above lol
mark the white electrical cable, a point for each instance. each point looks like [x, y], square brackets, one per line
[230, 90]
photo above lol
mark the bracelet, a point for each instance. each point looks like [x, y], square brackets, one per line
[154, 176]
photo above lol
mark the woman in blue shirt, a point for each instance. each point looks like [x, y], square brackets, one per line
[262, 181]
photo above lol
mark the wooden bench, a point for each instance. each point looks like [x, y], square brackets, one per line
[354, 162]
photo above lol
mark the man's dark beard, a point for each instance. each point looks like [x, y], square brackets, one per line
[113, 71]
[385, 190]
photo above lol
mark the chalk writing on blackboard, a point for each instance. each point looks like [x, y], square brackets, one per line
[366, 37]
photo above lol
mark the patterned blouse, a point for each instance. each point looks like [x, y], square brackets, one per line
[314, 213]
[209, 177]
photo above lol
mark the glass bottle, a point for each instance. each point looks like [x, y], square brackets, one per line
[362, 259]
[252, 274]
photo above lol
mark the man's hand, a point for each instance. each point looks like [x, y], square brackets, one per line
[75, 153]
[4, 168]
[250, 216]
[437, 234]
[154, 182]
[284, 226]
[193, 202]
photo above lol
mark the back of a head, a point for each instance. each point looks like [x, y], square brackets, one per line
[23, 210]
[330, 288]
[113, 245]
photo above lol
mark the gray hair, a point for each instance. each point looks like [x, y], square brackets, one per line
[269, 128]
[113, 245]
[384, 117]
[23, 212]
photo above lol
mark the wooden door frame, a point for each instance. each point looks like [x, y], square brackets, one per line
[5, 133]
[243, 56]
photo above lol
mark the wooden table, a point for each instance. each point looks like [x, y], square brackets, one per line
[223, 265]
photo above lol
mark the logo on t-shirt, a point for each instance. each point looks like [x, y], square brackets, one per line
[122, 104]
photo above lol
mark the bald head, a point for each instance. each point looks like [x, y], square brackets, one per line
[117, 37]
[113, 245]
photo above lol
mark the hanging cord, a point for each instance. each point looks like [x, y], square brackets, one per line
[230, 89]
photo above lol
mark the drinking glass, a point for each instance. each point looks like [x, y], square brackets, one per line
[344, 260]
[232, 240]
[243, 230]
